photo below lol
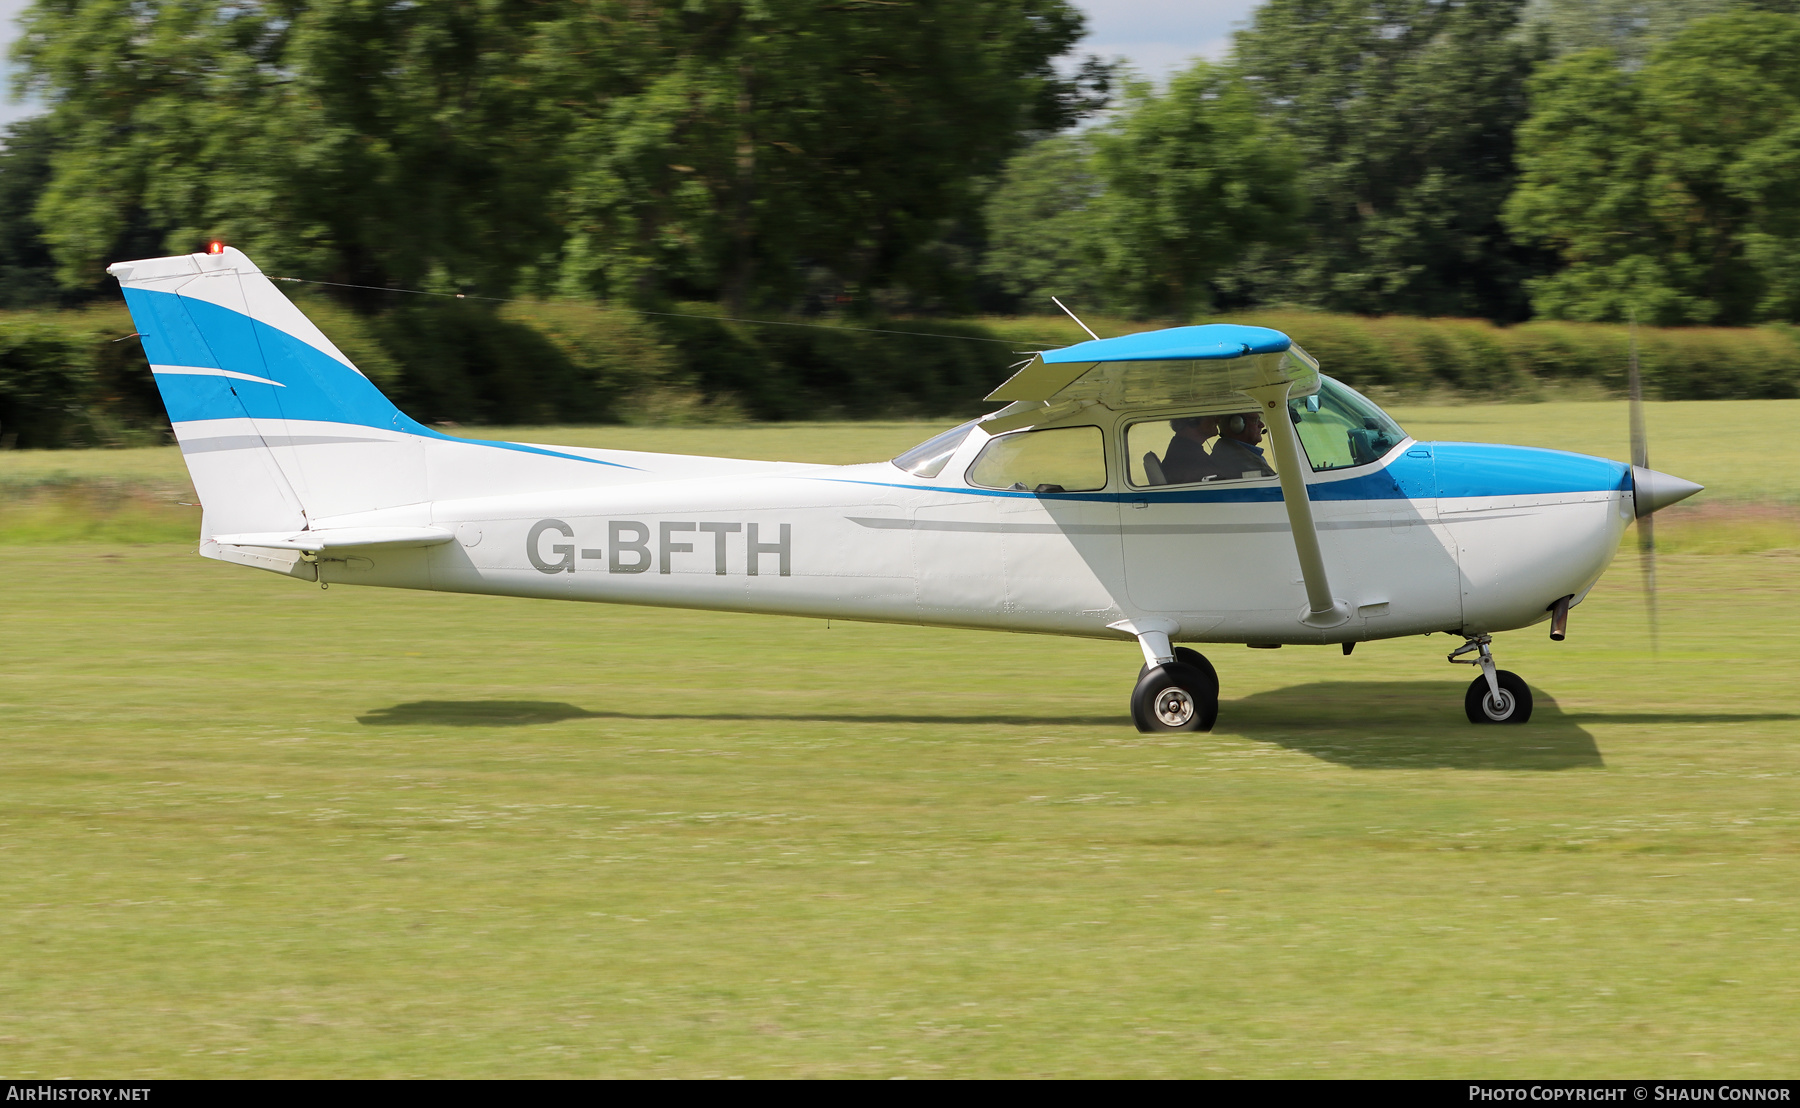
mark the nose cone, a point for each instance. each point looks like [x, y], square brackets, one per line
[1652, 490]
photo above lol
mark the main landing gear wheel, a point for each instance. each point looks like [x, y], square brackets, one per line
[1514, 705]
[1175, 696]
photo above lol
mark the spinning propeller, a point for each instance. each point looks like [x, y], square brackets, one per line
[1651, 490]
[1640, 463]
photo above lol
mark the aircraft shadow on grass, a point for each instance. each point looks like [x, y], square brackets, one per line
[1364, 724]
[1419, 724]
[1408, 725]
[519, 713]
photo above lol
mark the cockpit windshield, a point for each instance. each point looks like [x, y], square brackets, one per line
[1339, 427]
[927, 459]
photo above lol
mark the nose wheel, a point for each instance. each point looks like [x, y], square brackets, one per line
[1512, 705]
[1498, 695]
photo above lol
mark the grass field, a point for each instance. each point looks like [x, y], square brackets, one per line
[252, 828]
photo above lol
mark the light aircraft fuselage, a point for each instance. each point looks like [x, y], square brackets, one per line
[1072, 511]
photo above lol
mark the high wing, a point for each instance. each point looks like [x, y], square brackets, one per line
[1214, 363]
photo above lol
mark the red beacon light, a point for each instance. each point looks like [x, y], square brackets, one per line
[215, 247]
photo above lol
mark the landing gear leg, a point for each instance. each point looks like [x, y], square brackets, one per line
[1498, 695]
[1177, 690]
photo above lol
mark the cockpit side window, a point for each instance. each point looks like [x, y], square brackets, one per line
[1340, 428]
[927, 459]
[1058, 459]
[1198, 449]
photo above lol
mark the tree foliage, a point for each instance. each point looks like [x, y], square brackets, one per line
[1045, 227]
[26, 270]
[1371, 156]
[1143, 212]
[1629, 28]
[609, 146]
[1403, 111]
[1195, 179]
[1672, 192]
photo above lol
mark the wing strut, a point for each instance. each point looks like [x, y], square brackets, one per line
[1323, 609]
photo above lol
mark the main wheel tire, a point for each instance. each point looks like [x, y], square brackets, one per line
[1194, 658]
[1175, 696]
[1514, 705]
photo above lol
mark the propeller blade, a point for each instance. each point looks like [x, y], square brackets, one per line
[1640, 457]
[1647, 563]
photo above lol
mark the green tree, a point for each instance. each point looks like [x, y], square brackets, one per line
[27, 269]
[1194, 179]
[27, 275]
[1403, 112]
[772, 141]
[1629, 28]
[601, 146]
[1044, 225]
[1672, 192]
[1143, 212]
[366, 142]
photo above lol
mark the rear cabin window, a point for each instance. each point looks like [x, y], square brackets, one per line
[1190, 450]
[1061, 459]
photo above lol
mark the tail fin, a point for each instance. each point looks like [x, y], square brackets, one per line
[248, 381]
[280, 431]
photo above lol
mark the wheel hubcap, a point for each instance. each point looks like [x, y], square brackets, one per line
[1498, 709]
[1174, 707]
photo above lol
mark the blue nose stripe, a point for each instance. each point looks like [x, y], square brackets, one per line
[1490, 469]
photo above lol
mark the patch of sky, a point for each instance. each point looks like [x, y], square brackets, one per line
[1160, 37]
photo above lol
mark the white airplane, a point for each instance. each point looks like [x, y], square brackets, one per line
[1091, 504]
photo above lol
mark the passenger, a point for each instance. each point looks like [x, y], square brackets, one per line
[1186, 460]
[1237, 454]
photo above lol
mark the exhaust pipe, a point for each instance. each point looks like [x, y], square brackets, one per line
[1559, 619]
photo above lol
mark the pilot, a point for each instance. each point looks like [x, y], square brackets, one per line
[1186, 460]
[1238, 453]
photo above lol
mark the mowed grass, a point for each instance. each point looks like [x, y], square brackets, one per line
[253, 828]
[250, 828]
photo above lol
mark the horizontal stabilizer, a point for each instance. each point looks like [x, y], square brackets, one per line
[340, 538]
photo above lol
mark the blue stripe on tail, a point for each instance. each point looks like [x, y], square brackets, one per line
[182, 331]
[179, 331]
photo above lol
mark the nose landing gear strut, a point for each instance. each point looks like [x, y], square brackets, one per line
[1498, 695]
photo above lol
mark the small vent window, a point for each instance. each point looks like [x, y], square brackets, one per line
[927, 459]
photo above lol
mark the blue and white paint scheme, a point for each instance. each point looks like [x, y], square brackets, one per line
[1060, 513]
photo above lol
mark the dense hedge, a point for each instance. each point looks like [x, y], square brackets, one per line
[1407, 355]
[933, 368]
[65, 381]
